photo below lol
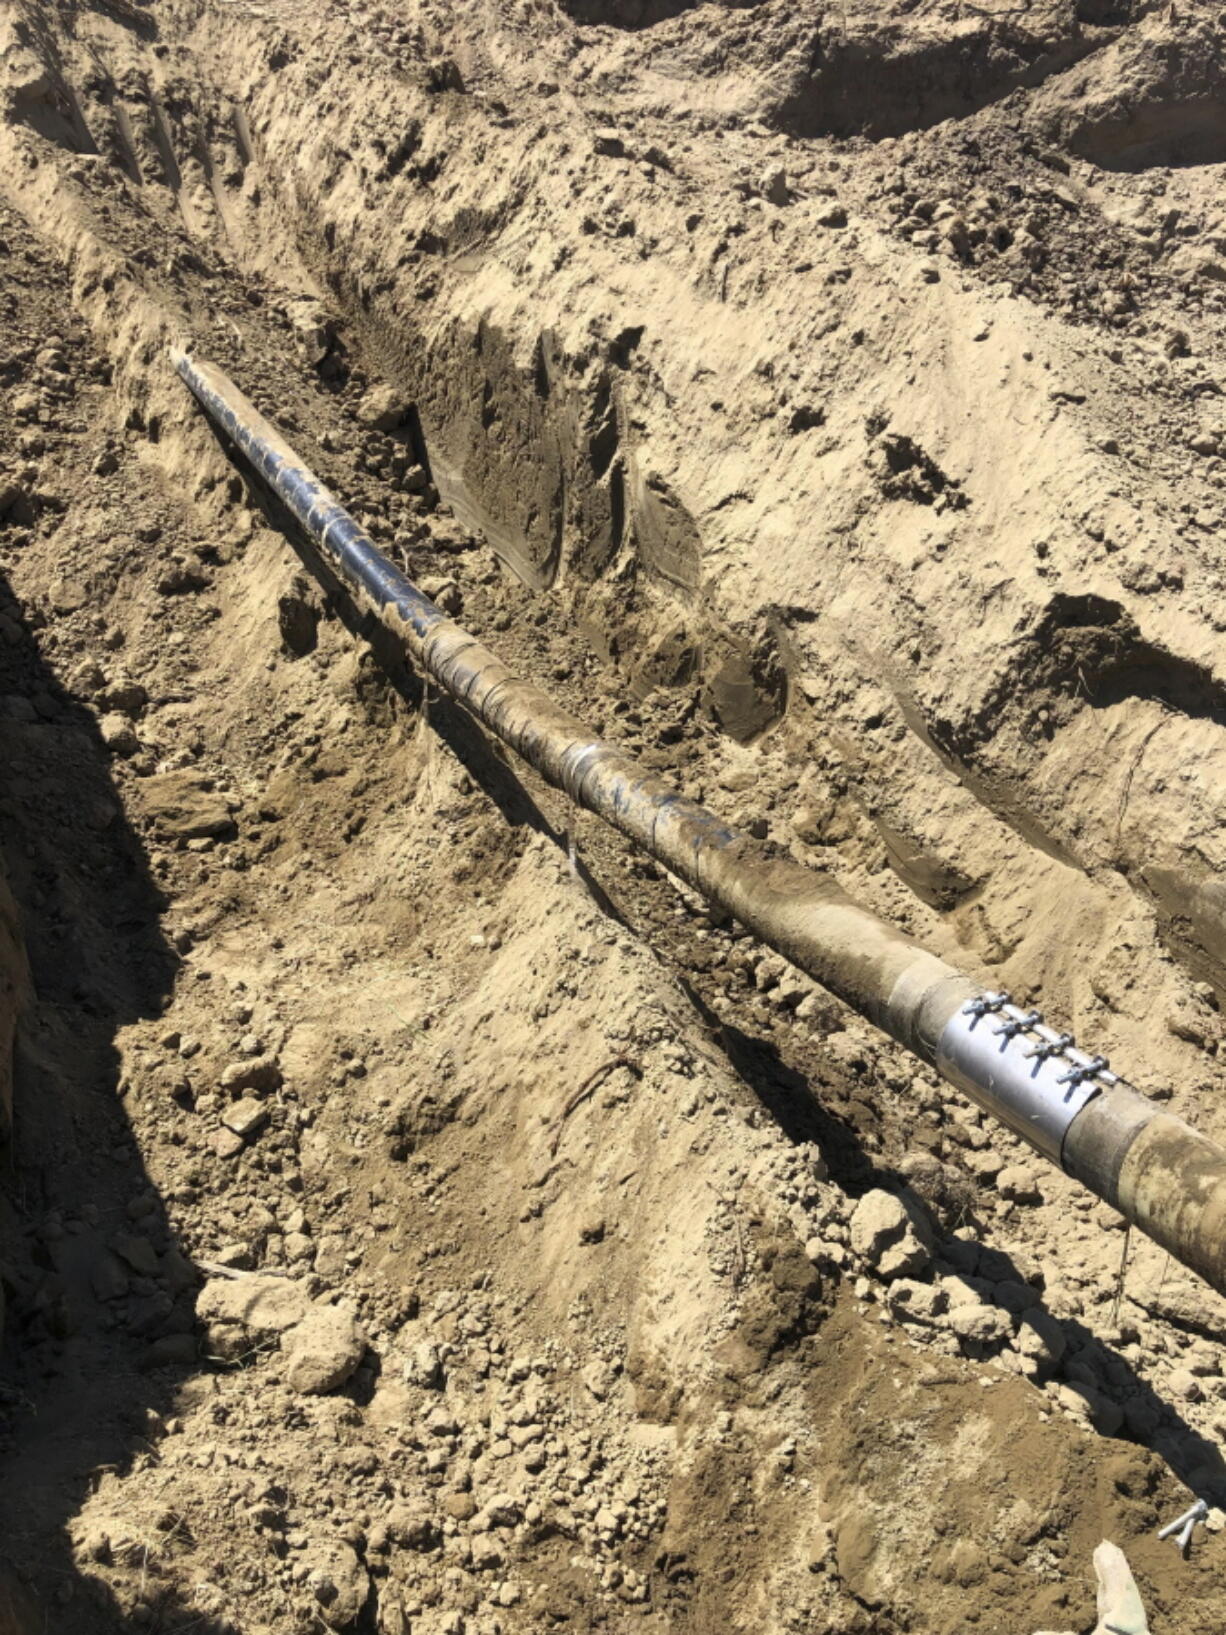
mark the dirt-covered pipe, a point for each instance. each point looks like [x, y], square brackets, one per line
[1064, 1101]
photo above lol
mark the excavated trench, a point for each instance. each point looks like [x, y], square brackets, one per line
[325, 994]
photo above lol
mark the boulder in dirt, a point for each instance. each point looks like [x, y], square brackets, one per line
[381, 409]
[118, 734]
[182, 806]
[338, 1581]
[259, 1073]
[894, 1240]
[240, 1312]
[323, 1350]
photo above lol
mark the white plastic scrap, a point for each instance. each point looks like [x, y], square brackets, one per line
[1119, 1602]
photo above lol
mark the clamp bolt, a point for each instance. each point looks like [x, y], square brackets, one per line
[1010, 1028]
[1050, 1047]
[1078, 1075]
[985, 1005]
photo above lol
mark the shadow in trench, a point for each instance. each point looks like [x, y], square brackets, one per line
[98, 1330]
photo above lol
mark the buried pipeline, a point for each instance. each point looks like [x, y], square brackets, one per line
[1066, 1102]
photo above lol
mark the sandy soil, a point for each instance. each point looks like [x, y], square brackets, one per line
[419, 1215]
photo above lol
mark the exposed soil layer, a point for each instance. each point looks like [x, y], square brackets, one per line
[419, 1214]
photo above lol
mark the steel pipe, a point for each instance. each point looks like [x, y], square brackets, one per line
[1066, 1102]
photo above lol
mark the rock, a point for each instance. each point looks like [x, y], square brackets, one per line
[978, 1323]
[239, 1312]
[460, 1506]
[137, 1252]
[414, 1527]
[124, 697]
[245, 1117]
[182, 806]
[598, 1377]
[609, 143]
[338, 1581]
[323, 1350]
[172, 1350]
[1182, 1383]
[1015, 1297]
[888, 1235]
[985, 1164]
[68, 595]
[442, 1422]
[298, 622]
[15, 503]
[1020, 1183]
[381, 409]
[917, 1302]
[108, 1279]
[118, 734]
[261, 1074]
[774, 185]
[226, 1144]
[1091, 1407]
[424, 1367]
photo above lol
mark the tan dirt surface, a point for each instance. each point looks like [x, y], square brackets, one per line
[419, 1216]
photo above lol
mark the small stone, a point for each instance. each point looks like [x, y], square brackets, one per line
[381, 409]
[171, 1350]
[262, 1074]
[338, 1581]
[919, 1302]
[460, 1506]
[1182, 1383]
[1020, 1183]
[424, 1367]
[598, 1377]
[108, 1279]
[118, 734]
[226, 1144]
[446, 594]
[413, 1527]
[182, 806]
[1091, 1407]
[137, 1252]
[245, 1117]
[123, 697]
[774, 185]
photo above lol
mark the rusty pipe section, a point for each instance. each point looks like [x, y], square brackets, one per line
[1067, 1103]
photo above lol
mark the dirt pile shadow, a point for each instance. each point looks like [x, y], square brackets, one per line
[98, 1332]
